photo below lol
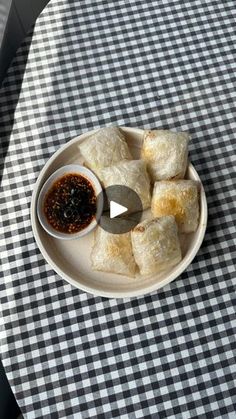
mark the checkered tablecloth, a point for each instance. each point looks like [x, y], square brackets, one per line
[170, 354]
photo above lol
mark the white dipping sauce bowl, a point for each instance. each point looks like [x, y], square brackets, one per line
[79, 170]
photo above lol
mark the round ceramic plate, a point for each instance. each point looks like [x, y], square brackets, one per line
[71, 258]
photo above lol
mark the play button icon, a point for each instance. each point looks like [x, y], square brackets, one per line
[121, 209]
[116, 209]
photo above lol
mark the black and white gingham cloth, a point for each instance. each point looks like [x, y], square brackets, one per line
[170, 354]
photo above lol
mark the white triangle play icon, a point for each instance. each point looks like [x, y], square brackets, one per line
[116, 209]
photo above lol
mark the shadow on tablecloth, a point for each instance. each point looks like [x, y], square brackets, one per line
[9, 96]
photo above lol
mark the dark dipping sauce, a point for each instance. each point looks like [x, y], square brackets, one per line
[70, 204]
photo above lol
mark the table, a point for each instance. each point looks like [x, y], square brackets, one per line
[170, 354]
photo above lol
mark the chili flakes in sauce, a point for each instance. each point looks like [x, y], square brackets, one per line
[70, 204]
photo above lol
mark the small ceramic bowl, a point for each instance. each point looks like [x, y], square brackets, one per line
[71, 168]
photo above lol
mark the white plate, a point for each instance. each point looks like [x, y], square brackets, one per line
[71, 258]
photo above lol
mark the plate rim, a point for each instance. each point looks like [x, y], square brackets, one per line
[180, 268]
